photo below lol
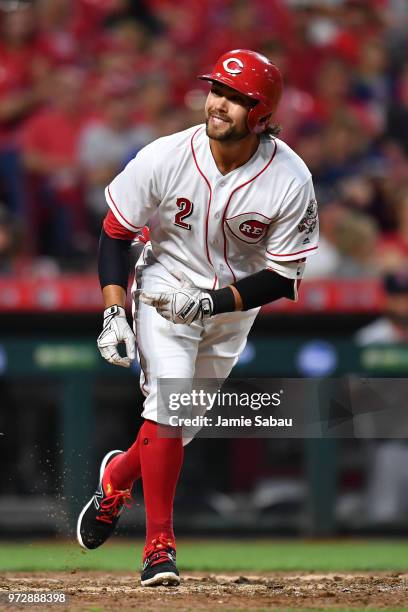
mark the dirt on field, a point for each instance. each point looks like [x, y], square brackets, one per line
[201, 591]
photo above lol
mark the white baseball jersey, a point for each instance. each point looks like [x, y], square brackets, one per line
[215, 228]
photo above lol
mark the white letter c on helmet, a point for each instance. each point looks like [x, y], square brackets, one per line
[236, 61]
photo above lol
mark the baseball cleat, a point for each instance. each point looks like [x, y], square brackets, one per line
[159, 563]
[99, 517]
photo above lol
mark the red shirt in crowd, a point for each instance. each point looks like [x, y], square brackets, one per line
[53, 133]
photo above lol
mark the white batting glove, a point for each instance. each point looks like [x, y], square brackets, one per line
[183, 305]
[116, 329]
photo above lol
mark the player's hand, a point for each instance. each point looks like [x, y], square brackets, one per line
[182, 306]
[116, 329]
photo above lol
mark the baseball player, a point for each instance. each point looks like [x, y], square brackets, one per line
[232, 217]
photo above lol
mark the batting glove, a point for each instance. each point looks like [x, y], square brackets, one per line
[182, 306]
[116, 329]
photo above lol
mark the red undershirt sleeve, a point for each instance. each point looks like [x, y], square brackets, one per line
[115, 230]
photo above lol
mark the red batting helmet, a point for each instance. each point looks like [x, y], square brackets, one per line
[253, 75]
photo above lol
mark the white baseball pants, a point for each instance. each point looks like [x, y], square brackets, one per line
[205, 349]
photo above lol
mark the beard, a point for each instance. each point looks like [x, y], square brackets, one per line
[230, 134]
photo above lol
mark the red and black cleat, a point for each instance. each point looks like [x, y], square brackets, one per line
[99, 517]
[159, 563]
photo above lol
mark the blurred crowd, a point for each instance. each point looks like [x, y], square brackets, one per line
[84, 84]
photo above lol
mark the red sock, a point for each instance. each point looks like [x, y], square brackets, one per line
[124, 469]
[161, 460]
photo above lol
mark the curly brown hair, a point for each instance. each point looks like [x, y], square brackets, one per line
[273, 130]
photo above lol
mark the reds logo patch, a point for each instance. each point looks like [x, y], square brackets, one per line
[309, 221]
[252, 229]
[249, 227]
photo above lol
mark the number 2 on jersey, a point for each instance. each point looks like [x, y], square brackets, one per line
[186, 208]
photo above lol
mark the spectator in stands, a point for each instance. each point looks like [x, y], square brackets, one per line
[110, 57]
[106, 143]
[185, 22]
[8, 242]
[371, 85]
[371, 79]
[357, 235]
[386, 499]
[392, 249]
[398, 112]
[15, 261]
[57, 43]
[131, 35]
[397, 27]
[310, 146]
[333, 91]
[348, 239]
[326, 262]
[126, 11]
[19, 95]
[241, 29]
[304, 57]
[360, 21]
[154, 100]
[49, 144]
[393, 325]
[358, 193]
[344, 147]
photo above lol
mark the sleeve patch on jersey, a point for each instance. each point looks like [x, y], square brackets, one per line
[249, 227]
[309, 221]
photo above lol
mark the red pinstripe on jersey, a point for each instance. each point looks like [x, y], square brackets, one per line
[134, 227]
[135, 315]
[290, 254]
[229, 200]
[208, 205]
